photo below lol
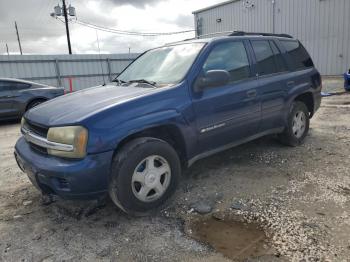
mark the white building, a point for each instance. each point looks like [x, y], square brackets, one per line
[323, 26]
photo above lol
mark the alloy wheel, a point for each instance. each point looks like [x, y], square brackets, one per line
[151, 178]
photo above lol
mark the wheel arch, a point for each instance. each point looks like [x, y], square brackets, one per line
[308, 99]
[169, 133]
[33, 99]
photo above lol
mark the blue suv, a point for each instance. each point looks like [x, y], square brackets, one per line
[172, 106]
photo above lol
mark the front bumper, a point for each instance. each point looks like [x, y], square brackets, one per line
[69, 179]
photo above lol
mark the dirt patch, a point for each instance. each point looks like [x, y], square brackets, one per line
[234, 239]
[300, 197]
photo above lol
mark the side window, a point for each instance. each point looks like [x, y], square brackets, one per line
[20, 86]
[4, 86]
[298, 54]
[278, 58]
[231, 57]
[265, 57]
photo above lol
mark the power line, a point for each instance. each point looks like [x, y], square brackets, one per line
[132, 33]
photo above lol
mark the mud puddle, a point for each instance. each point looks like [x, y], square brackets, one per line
[234, 239]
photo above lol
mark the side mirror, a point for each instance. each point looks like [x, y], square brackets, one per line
[212, 78]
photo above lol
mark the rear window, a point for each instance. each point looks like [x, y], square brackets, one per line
[298, 54]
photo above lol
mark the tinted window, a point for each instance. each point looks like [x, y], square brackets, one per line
[9, 85]
[278, 58]
[298, 54]
[231, 57]
[265, 58]
[19, 86]
[4, 86]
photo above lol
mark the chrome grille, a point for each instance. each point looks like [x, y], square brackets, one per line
[37, 129]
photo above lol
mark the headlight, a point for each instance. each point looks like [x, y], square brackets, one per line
[77, 136]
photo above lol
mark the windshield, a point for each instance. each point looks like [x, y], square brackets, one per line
[165, 65]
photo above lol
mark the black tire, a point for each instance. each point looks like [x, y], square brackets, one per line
[34, 103]
[288, 137]
[123, 166]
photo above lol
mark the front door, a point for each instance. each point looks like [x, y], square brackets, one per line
[227, 114]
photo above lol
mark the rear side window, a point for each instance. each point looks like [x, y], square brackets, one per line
[9, 85]
[230, 56]
[20, 86]
[298, 54]
[265, 57]
[5, 86]
[278, 58]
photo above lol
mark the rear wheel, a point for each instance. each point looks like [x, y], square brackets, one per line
[144, 175]
[297, 125]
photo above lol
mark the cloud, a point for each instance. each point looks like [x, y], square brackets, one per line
[135, 3]
[42, 34]
[185, 21]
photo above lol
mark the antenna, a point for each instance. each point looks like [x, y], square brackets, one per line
[99, 53]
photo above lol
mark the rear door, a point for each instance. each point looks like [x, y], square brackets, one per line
[22, 94]
[273, 76]
[229, 113]
[301, 64]
[6, 99]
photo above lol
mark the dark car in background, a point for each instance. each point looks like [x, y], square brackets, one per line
[17, 96]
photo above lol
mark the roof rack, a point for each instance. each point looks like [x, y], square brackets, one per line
[242, 33]
[234, 33]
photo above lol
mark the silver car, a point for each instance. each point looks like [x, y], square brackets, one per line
[17, 96]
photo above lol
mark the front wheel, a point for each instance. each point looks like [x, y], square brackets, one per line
[297, 125]
[144, 175]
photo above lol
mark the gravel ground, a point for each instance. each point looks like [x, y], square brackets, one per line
[300, 196]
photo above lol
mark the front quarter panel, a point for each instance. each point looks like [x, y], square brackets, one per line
[170, 106]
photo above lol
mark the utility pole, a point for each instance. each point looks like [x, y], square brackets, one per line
[18, 39]
[67, 27]
[58, 12]
[7, 50]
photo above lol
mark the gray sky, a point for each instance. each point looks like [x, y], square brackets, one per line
[42, 34]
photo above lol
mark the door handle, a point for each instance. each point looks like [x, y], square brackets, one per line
[251, 93]
[290, 83]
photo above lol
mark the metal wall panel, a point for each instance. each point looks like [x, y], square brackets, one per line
[56, 70]
[323, 26]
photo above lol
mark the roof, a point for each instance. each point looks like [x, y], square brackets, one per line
[214, 6]
[20, 81]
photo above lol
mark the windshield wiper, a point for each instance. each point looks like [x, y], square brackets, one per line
[143, 81]
[118, 81]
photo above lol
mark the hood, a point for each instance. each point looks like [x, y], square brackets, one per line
[74, 108]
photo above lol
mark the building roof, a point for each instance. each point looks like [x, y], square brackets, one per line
[213, 6]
